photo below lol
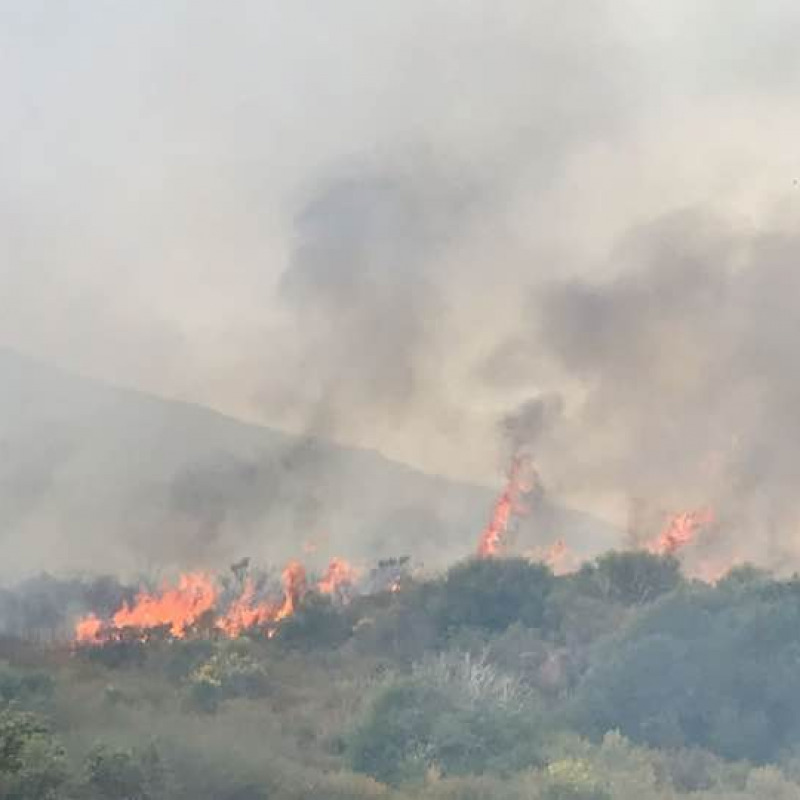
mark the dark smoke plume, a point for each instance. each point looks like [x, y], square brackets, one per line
[685, 368]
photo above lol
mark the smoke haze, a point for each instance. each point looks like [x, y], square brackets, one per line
[436, 230]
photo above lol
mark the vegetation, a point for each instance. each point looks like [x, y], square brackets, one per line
[623, 681]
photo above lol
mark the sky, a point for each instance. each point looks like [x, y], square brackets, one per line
[399, 224]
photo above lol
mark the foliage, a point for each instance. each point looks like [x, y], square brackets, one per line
[229, 673]
[572, 779]
[316, 624]
[715, 668]
[32, 762]
[495, 680]
[630, 578]
[122, 774]
[23, 686]
[493, 594]
[413, 727]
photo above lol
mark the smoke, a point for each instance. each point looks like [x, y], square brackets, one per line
[364, 301]
[390, 226]
[524, 426]
[684, 366]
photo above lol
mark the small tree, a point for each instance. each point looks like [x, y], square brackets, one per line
[120, 774]
[493, 594]
[32, 762]
[630, 578]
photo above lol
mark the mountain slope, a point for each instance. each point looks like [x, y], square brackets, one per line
[94, 477]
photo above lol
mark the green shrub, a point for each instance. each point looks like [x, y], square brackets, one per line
[227, 674]
[32, 762]
[23, 686]
[630, 578]
[121, 774]
[412, 728]
[493, 594]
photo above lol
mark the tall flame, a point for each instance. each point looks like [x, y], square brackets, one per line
[294, 588]
[338, 578]
[680, 530]
[521, 481]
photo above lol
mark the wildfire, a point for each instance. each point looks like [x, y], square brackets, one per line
[294, 588]
[89, 630]
[557, 556]
[179, 608]
[245, 613]
[338, 579]
[521, 481]
[680, 530]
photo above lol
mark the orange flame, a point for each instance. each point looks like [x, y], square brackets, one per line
[338, 578]
[521, 481]
[294, 588]
[557, 556]
[680, 530]
[179, 608]
[244, 613]
[182, 606]
[89, 630]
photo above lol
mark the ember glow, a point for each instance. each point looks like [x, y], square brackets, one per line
[680, 530]
[521, 481]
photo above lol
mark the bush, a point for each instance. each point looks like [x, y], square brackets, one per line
[32, 763]
[630, 578]
[572, 780]
[227, 674]
[493, 594]
[120, 774]
[316, 623]
[412, 728]
[22, 686]
[704, 667]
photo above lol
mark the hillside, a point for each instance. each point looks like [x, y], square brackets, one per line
[100, 478]
[496, 680]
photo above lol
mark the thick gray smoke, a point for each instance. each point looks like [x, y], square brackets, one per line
[685, 363]
[364, 299]
[420, 228]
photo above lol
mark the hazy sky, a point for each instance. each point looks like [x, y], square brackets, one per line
[349, 217]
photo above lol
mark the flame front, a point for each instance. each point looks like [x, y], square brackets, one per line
[89, 630]
[338, 579]
[179, 608]
[245, 613]
[680, 530]
[182, 606]
[521, 481]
